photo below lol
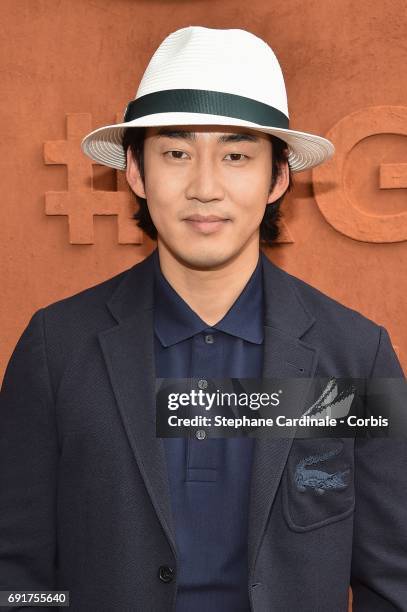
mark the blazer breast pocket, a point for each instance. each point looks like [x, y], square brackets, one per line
[318, 483]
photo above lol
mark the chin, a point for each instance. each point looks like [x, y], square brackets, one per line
[202, 260]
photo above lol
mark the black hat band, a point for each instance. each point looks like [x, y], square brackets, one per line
[206, 102]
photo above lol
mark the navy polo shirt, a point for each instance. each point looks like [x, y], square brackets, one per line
[210, 478]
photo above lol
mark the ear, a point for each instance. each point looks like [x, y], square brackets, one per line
[281, 184]
[133, 175]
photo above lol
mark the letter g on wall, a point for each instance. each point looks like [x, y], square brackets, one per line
[334, 187]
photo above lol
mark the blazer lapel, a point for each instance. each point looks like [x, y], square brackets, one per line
[128, 349]
[285, 356]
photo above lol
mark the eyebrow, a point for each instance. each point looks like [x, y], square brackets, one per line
[191, 136]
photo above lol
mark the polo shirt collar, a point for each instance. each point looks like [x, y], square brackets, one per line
[174, 319]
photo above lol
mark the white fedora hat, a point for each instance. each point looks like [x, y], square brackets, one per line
[206, 76]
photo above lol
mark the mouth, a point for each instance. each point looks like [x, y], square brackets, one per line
[206, 224]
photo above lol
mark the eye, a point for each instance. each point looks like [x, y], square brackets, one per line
[177, 154]
[237, 155]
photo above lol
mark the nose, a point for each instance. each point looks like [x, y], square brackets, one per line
[204, 182]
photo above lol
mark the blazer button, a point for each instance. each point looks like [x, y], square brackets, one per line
[165, 573]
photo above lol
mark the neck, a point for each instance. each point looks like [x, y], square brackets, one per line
[209, 292]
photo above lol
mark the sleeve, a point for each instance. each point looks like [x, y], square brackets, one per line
[379, 555]
[28, 466]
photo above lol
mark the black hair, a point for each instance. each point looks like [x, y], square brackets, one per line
[269, 227]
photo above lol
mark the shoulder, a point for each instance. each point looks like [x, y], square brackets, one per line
[327, 308]
[347, 340]
[318, 304]
[71, 325]
[89, 303]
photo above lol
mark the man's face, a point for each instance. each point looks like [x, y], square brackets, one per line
[194, 174]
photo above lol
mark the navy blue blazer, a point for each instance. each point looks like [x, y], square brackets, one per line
[84, 493]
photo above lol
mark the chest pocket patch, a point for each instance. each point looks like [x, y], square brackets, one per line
[318, 484]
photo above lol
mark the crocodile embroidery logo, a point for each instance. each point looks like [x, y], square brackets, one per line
[318, 480]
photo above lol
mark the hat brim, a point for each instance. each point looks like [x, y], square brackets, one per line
[104, 145]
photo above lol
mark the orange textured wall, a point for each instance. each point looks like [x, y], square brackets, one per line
[71, 65]
[68, 66]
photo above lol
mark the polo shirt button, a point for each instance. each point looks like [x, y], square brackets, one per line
[209, 339]
[202, 383]
[200, 434]
[165, 573]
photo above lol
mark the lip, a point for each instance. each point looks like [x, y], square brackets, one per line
[206, 225]
[205, 218]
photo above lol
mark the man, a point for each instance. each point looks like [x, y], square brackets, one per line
[92, 501]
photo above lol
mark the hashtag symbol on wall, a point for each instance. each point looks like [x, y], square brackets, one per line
[80, 203]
